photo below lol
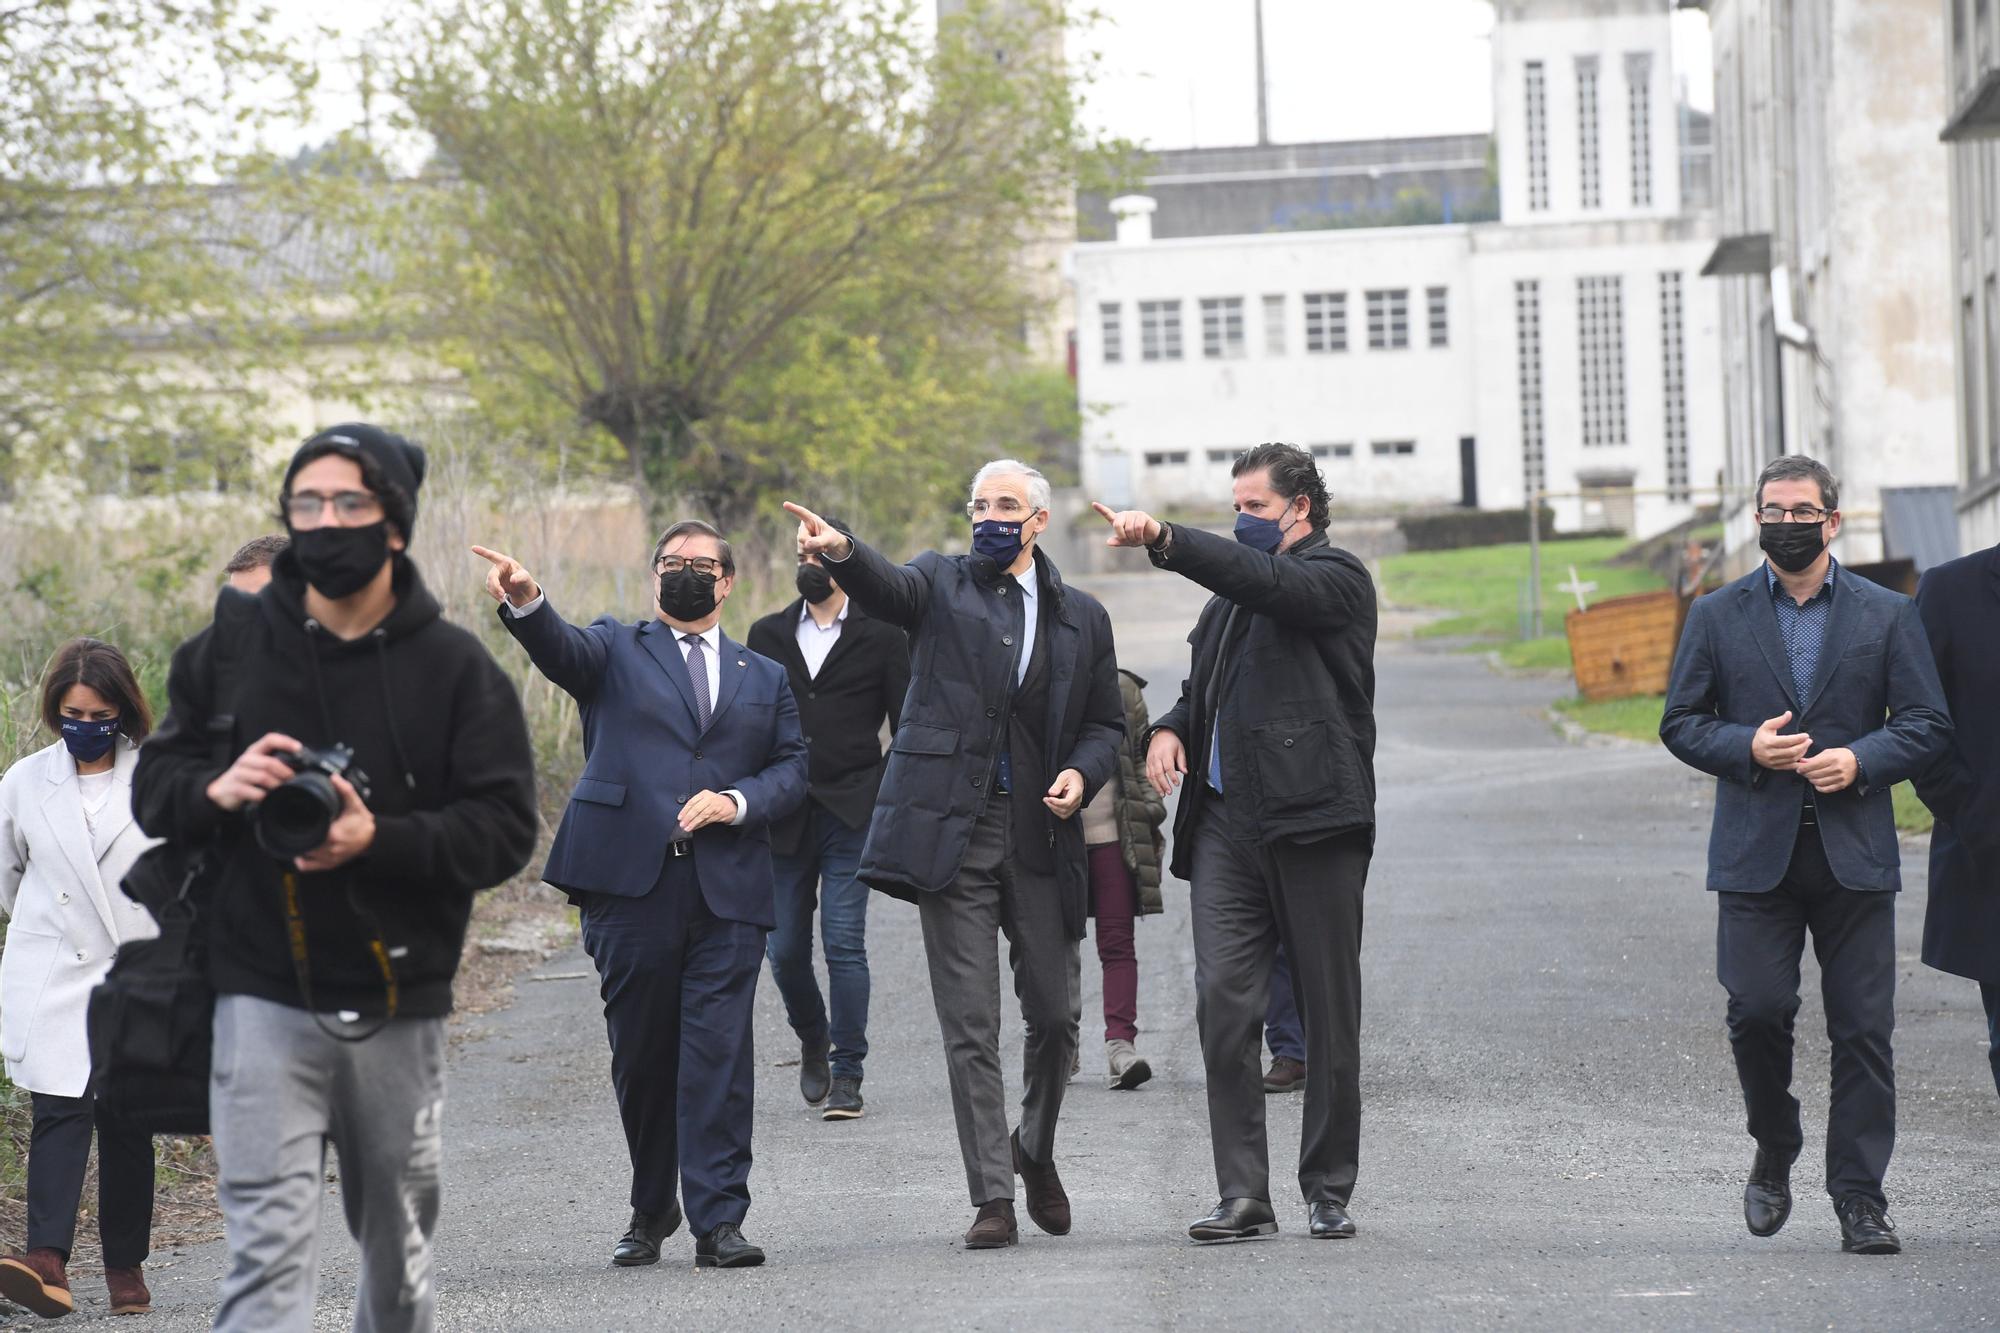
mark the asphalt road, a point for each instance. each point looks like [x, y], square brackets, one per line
[1553, 1135]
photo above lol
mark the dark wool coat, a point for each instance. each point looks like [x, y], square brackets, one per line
[964, 651]
[1960, 606]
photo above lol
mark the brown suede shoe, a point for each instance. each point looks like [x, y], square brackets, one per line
[994, 1228]
[128, 1291]
[1284, 1075]
[36, 1280]
[1048, 1206]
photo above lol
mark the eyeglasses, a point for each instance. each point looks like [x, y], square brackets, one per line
[348, 506]
[1803, 514]
[705, 566]
[1006, 507]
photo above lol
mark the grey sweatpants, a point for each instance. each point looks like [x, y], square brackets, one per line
[280, 1090]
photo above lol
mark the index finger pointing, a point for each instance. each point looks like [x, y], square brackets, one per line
[1104, 511]
[493, 556]
[803, 515]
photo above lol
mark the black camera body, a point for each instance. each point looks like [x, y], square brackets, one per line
[293, 818]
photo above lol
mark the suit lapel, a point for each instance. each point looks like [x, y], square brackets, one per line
[1762, 620]
[790, 655]
[734, 662]
[658, 636]
[63, 809]
[1839, 629]
[842, 644]
[118, 811]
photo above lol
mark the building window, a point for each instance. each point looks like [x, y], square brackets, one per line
[1167, 458]
[1639, 107]
[1600, 323]
[1326, 321]
[1992, 376]
[1392, 448]
[1537, 104]
[1333, 451]
[1440, 321]
[1110, 320]
[1274, 326]
[1223, 455]
[1389, 319]
[1590, 193]
[1222, 327]
[1673, 378]
[1160, 330]
[1528, 374]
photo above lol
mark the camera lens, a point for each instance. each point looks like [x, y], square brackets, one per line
[294, 819]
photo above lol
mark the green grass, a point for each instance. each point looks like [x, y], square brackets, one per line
[1479, 589]
[1912, 815]
[1637, 718]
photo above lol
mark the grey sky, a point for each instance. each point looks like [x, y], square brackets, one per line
[1177, 73]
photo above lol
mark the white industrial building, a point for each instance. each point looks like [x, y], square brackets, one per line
[1973, 133]
[1568, 348]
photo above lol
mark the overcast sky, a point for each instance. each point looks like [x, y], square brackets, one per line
[1182, 73]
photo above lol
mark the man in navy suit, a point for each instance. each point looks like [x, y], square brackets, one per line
[1780, 689]
[691, 749]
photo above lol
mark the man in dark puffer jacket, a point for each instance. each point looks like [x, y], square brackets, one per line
[333, 966]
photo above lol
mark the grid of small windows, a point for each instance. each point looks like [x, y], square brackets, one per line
[1166, 458]
[1528, 373]
[1344, 450]
[1440, 316]
[1223, 455]
[1326, 321]
[1274, 325]
[1537, 100]
[1392, 448]
[1160, 330]
[1589, 184]
[1673, 358]
[1639, 108]
[1389, 319]
[1222, 327]
[1600, 323]
[1110, 320]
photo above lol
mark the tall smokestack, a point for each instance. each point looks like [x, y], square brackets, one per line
[1263, 107]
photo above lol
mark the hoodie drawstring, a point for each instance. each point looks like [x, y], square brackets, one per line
[381, 637]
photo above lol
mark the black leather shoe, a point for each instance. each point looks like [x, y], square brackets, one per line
[844, 1102]
[1865, 1228]
[725, 1247]
[815, 1074]
[1767, 1195]
[641, 1244]
[1235, 1219]
[1329, 1221]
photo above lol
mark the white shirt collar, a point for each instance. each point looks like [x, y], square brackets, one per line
[1026, 578]
[712, 636]
[805, 614]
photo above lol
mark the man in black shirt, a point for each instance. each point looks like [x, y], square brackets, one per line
[849, 673]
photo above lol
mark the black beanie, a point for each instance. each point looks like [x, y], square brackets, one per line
[400, 463]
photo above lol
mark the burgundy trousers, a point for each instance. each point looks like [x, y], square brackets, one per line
[1114, 901]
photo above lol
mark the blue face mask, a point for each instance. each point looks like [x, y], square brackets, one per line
[1261, 534]
[998, 541]
[88, 741]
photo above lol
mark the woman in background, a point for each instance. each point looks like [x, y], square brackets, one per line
[66, 840]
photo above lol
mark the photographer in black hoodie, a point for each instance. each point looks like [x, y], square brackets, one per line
[333, 967]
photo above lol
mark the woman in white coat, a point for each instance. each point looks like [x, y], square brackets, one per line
[66, 840]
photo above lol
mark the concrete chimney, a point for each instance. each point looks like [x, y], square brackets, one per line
[1135, 218]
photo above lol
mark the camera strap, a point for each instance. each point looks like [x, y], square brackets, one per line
[295, 932]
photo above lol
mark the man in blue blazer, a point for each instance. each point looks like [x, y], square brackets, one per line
[1780, 689]
[691, 749]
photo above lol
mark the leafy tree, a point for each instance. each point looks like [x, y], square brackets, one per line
[126, 325]
[751, 243]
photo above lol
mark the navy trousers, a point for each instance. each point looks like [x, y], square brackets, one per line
[1284, 1030]
[679, 985]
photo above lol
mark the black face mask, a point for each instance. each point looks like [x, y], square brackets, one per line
[687, 595]
[815, 584]
[1792, 546]
[339, 562]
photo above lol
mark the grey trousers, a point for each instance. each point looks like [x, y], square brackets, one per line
[279, 1092]
[962, 923]
[1246, 900]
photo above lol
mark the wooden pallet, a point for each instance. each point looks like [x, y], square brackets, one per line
[1625, 645]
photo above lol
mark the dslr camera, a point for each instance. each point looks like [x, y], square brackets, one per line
[294, 818]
